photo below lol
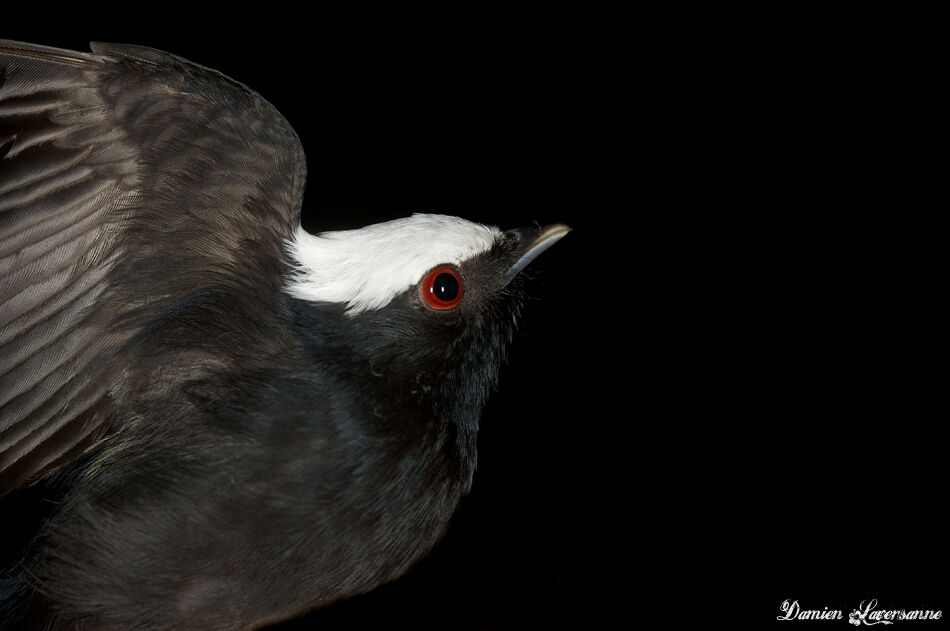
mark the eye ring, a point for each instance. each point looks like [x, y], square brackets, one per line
[441, 289]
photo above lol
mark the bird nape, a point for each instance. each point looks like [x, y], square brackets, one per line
[227, 421]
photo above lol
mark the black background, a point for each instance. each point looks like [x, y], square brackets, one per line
[728, 391]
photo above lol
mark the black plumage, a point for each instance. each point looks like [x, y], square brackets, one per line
[214, 452]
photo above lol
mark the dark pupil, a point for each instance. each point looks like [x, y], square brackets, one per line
[446, 287]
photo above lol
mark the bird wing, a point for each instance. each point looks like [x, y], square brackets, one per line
[130, 181]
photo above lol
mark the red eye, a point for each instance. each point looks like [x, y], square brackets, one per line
[442, 288]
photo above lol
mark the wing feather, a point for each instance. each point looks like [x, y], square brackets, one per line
[119, 168]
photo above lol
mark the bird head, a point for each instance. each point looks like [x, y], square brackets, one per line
[426, 303]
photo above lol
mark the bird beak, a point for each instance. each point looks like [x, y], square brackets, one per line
[531, 243]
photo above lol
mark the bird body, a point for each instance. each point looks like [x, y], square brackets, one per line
[232, 421]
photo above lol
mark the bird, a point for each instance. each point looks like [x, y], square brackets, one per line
[228, 421]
